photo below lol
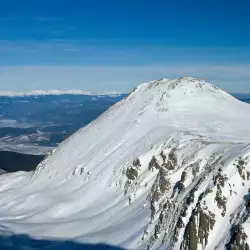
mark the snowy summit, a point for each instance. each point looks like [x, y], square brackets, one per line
[168, 167]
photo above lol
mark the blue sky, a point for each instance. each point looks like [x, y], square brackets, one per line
[98, 45]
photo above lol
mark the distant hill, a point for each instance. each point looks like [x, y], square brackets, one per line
[12, 161]
[242, 97]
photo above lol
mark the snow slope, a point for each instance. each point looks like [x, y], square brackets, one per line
[165, 168]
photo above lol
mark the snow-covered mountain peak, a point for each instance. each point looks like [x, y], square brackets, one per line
[168, 167]
[185, 94]
[159, 108]
[183, 85]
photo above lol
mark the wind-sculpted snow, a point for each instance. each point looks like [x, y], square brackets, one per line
[168, 167]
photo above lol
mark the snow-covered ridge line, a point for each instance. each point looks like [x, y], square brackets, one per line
[55, 92]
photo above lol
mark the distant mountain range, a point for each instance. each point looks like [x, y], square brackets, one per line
[54, 92]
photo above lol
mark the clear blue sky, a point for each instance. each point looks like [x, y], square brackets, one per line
[112, 45]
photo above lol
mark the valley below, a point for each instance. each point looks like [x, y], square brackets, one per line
[32, 126]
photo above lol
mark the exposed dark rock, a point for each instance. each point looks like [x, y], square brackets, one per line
[238, 240]
[181, 183]
[172, 161]
[163, 156]
[153, 164]
[198, 228]
[241, 166]
[131, 173]
[137, 163]
[219, 181]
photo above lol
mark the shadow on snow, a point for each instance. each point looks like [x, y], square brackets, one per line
[24, 242]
